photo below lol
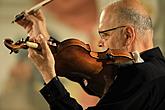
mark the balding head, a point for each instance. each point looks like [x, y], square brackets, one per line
[126, 12]
[132, 14]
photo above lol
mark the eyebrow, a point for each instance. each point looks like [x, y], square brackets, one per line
[110, 29]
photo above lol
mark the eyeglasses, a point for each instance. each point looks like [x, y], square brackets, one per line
[103, 34]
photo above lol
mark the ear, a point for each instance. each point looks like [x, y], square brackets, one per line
[129, 33]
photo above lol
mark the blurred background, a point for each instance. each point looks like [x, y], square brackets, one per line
[20, 82]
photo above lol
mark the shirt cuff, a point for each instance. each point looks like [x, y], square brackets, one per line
[54, 90]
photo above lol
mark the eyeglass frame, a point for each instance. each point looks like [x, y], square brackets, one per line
[100, 32]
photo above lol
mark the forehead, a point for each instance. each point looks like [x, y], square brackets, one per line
[107, 20]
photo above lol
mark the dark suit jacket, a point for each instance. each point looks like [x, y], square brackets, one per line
[139, 86]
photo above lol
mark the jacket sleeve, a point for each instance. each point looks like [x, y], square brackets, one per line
[57, 96]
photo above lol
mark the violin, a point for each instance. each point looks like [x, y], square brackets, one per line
[94, 71]
[75, 61]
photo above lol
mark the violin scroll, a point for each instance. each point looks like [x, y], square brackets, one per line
[15, 47]
[25, 44]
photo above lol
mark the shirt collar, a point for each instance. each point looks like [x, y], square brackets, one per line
[154, 52]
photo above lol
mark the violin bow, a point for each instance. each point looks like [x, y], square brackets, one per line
[31, 10]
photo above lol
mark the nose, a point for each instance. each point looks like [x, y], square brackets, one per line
[101, 43]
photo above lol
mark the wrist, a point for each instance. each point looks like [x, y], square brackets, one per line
[47, 77]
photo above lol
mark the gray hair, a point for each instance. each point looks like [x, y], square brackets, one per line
[131, 16]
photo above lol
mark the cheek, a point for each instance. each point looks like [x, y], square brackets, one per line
[111, 43]
[115, 43]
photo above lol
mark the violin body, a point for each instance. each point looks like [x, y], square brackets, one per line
[73, 61]
[94, 71]
[74, 56]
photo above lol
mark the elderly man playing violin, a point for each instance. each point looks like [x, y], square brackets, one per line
[126, 26]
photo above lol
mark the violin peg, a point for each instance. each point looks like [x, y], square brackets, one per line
[11, 51]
